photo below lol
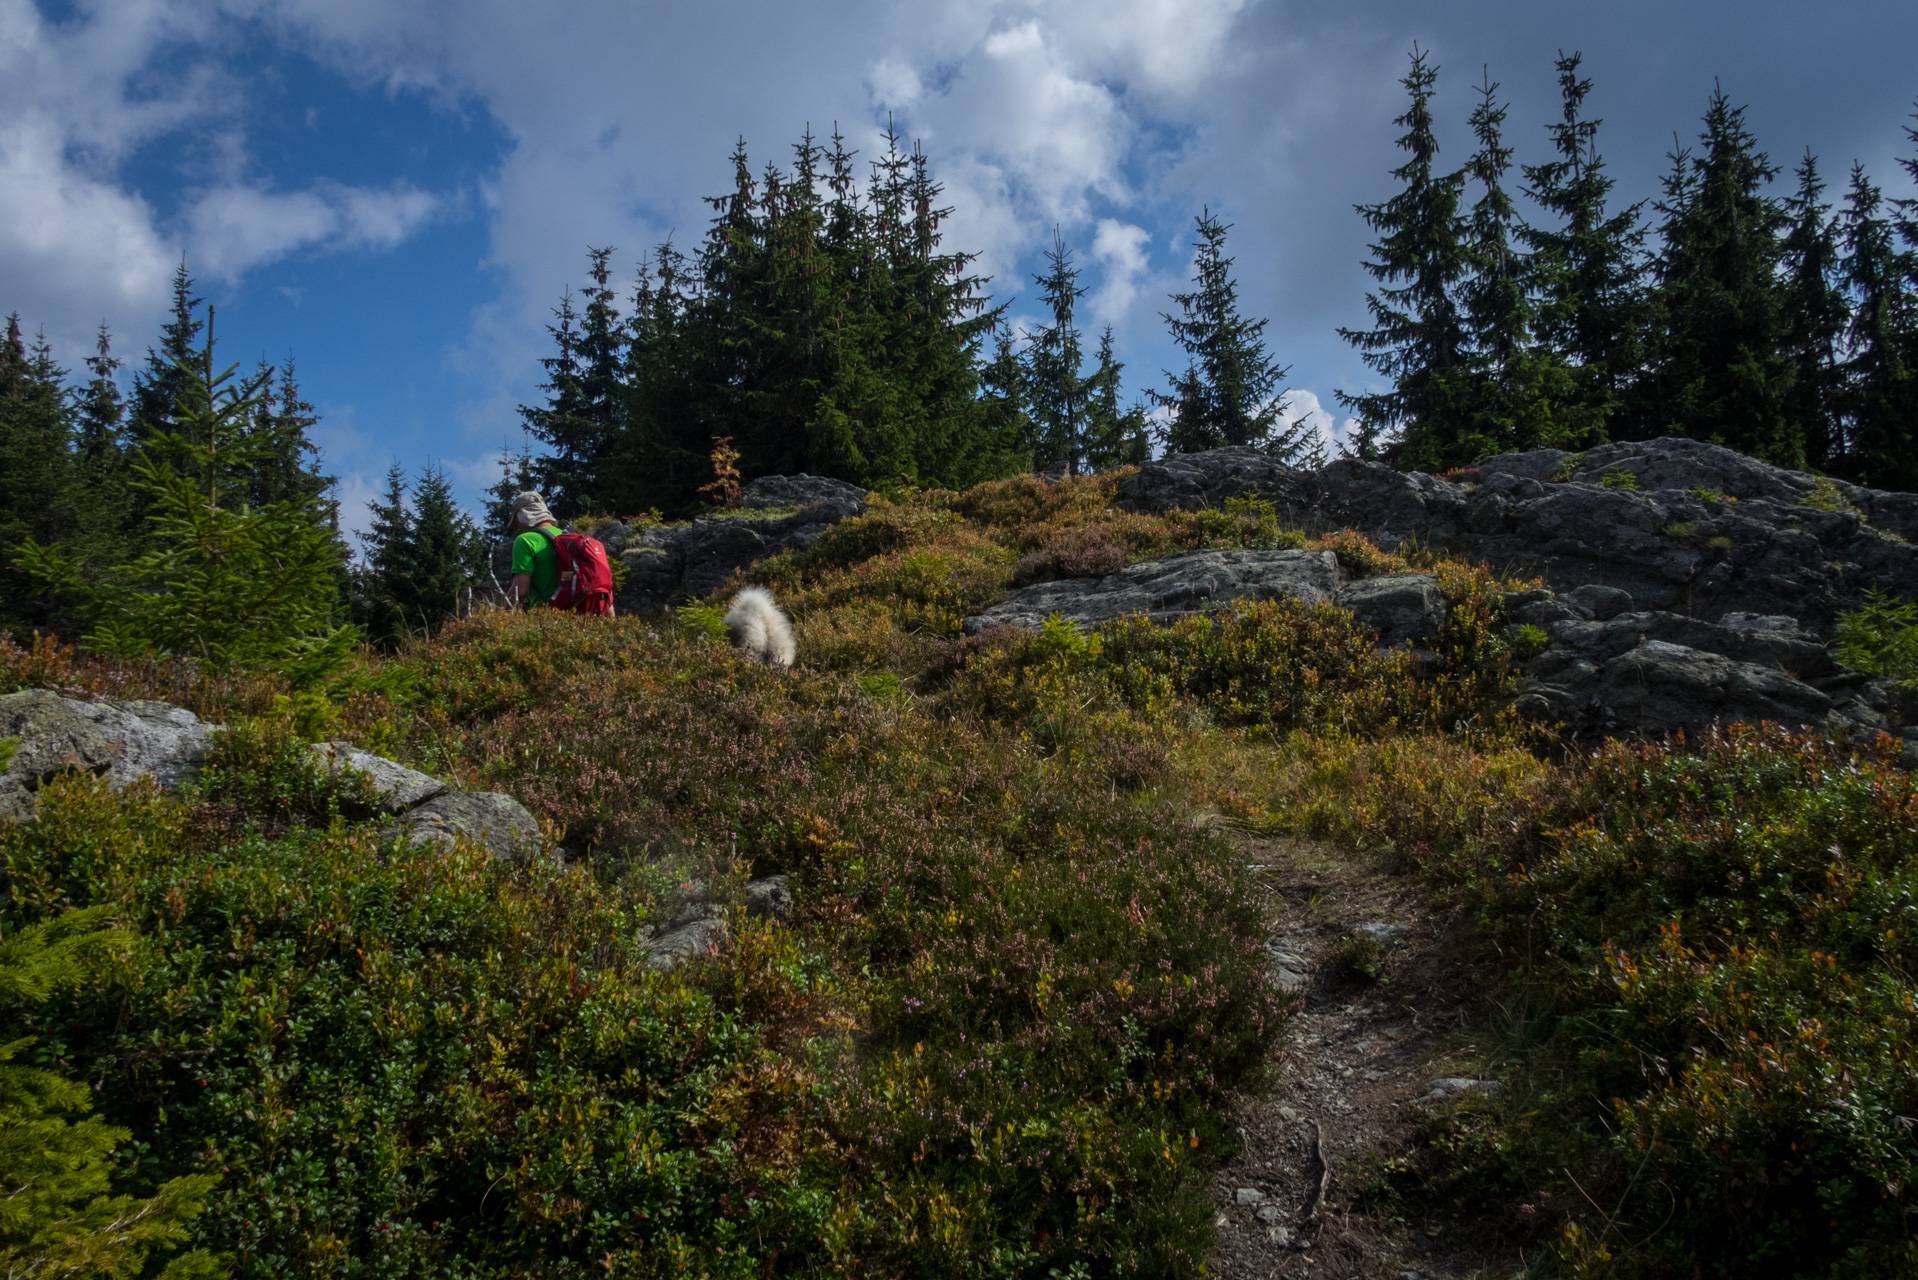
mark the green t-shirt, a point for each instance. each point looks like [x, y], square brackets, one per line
[533, 553]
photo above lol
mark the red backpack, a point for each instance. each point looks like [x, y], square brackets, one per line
[585, 575]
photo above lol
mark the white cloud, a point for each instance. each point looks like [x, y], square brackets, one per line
[81, 97]
[1120, 248]
[232, 230]
[1303, 407]
[73, 249]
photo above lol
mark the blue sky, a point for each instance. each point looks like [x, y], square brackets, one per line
[397, 193]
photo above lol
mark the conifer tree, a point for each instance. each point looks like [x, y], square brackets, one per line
[1005, 395]
[823, 327]
[1115, 437]
[1511, 393]
[100, 411]
[157, 388]
[445, 556]
[584, 419]
[1720, 361]
[288, 461]
[379, 604]
[1881, 383]
[560, 423]
[59, 1215]
[1058, 389]
[232, 584]
[517, 475]
[1816, 315]
[37, 477]
[662, 454]
[1588, 268]
[1419, 343]
[1232, 388]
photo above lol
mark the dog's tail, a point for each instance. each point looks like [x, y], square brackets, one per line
[759, 629]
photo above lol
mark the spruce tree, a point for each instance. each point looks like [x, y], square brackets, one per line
[100, 412]
[229, 583]
[379, 596]
[1232, 388]
[158, 387]
[586, 416]
[561, 423]
[1881, 383]
[1511, 393]
[1588, 268]
[60, 1218]
[1720, 360]
[661, 459]
[1005, 398]
[38, 484]
[445, 555]
[822, 327]
[288, 461]
[1816, 315]
[1419, 343]
[1059, 390]
[1115, 436]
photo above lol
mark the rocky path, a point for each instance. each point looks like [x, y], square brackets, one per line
[1352, 1077]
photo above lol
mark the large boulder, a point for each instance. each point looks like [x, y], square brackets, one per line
[1169, 589]
[1196, 481]
[397, 787]
[491, 819]
[1677, 525]
[1399, 606]
[118, 741]
[1650, 673]
[666, 563]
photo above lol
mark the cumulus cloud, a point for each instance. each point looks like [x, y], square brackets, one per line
[1120, 248]
[80, 98]
[231, 230]
[1333, 433]
[73, 249]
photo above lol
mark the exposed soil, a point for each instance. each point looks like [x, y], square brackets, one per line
[1352, 1078]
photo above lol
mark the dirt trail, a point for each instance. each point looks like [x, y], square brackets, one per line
[1352, 1076]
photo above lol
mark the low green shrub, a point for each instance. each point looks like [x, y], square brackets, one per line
[1880, 638]
[1716, 941]
[1002, 1025]
[1618, 478]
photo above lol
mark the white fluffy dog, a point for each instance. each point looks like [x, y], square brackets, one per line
[759, 629]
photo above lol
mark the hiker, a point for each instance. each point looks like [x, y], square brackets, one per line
[556, 568]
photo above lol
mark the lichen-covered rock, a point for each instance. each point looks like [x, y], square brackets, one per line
[1682, 526]
[1168, 589]
[398, 787]
[1399, 606]
[1196, 481]
[701, 937]
[491, 819]
[666, 563]
[804, 491]
[769, 897]
[118, 741]
[1650, 673]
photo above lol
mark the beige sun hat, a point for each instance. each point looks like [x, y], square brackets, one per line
[531, 511]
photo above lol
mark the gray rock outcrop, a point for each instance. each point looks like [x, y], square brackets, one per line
[1682, 527]
[665, 563]
[1650, 672]
[1399, 606]
[491, 819]
[118, 741]
[1169, 589]
[398, 787]
[696, 923]
[122, 741]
